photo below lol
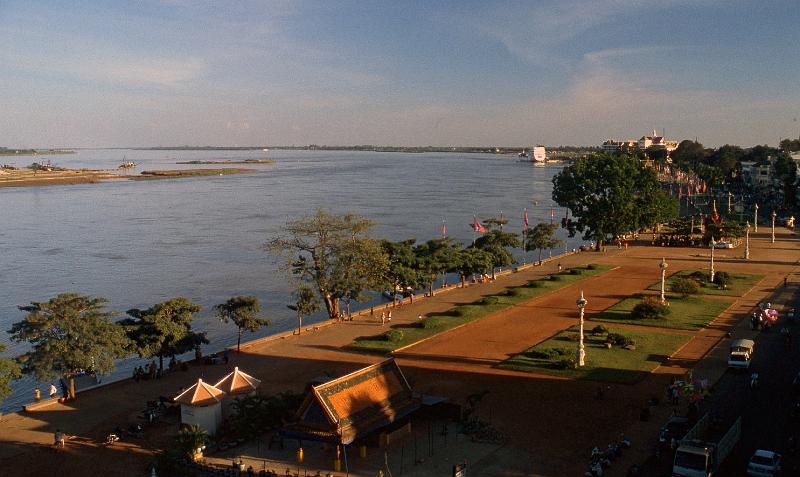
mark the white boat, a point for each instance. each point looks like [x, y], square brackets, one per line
[538, 154]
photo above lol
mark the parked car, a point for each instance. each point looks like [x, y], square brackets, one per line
[764, 463]
[724, 244]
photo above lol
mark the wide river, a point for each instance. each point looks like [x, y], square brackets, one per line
[141, 242]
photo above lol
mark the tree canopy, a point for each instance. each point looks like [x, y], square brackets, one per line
[611, 195]
[473, 260]
[496, 243]
[334, 254]
[164, 329]
[305, 303]
[69, 333]
[243, 312]
[542, 236]
[402, 271]
[435, 257]
[9, 370]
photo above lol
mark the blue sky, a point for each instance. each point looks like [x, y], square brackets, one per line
[149, 73]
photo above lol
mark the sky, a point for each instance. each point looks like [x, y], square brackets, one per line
[463, 72]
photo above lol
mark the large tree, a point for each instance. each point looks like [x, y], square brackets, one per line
[611, 195]
[473, 260]
[688, 154]
[165, 329]
[436, 257]
[9, 370]
[243, 312]
[334, 254]
[541, 237]
[69, 333]
[403, 270]
[496, 243]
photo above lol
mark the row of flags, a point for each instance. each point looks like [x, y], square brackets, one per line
[478, 227]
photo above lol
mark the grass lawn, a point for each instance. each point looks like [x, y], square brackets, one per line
[615, 365]
[739, 285]
[403, 335]
[690, 313]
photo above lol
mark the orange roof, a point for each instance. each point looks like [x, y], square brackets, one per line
[237, 382]
[200, 394]
[356, 404]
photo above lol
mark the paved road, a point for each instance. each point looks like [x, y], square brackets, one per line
[765, 411]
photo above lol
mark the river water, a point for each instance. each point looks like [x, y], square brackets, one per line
[141, 242]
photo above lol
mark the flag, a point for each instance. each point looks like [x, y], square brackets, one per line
[476, 226]
[501, 220]
[552, 214]
[444, 230]
[525, 220]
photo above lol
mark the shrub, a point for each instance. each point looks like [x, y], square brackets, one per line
[722, 279]
[684, 286]
[488, 300]
[457, 312]
[513, 292]
[394, 336]
[649, 309]
[575, 271]
[535, 284]
[600, 330]
[572, 337]
[555, 278]
[697, 276]
[591, 266]
[550, 354]
[618, 339]
[564, 363]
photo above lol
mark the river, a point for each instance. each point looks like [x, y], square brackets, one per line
[141, 242]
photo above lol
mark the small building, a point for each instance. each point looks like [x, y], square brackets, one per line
[355, 406]
[201, 404]
[236, 383]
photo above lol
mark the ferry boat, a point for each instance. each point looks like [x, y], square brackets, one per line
[127, 164]
[537, 154]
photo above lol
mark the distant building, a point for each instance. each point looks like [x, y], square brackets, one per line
[612, 146]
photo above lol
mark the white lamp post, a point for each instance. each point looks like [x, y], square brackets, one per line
[755, 220]
[711, 273]
[747, 241]
[773, 226]
[663, 266]
[580, 354]
[691, 230]
[729, 202]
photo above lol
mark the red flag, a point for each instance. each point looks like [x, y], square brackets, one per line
[525, 220]
[444, 230]
[476, 226]
[501, 220]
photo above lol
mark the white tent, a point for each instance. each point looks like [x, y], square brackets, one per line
[200, 404]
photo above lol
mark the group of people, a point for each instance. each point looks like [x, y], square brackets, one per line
[150, 371]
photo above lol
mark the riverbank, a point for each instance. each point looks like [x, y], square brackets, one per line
[230, 161]
[24, 177]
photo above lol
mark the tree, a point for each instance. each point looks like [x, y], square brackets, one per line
[243, 312]
[9, 370]
[497, 243]
[402, 271]
[334, 254]
[786, 172]
[688, 154]
[435, 257]
[656, 153]
[191, 439]
[542, 236]
[473, 260]
[790, 145]
[164, 329]
[305, 303]
[69, 333]
[611, 195]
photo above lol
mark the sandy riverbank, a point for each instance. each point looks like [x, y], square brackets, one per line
[28, 178]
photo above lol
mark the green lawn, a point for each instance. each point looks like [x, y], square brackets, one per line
[403, 335]
[739, 285]
[616, 365]
[690, 313]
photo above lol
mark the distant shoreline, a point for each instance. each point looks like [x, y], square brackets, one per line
[245, 161]
[29, 178]
[370, 148]
[6, 152]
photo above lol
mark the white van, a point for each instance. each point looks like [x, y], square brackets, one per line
[741, 354]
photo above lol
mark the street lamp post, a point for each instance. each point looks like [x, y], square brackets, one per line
[711, 272]
[691, 230]
[755, 220]
[773, 226]
[729, 201]
[663, 266]
[747, 241]
[580, 354]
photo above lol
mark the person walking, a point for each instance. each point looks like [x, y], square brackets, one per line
[389, 316]
[53, 391]
[383, 318]
[58, 438]
[37, 394]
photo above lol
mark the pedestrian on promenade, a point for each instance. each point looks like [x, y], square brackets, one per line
[371, 312]
[559, 267]
[37, 394]
[53, 391]
[225, 356]
[383, 318]
[419, 317]
[153, 369]
[389, 316]
[58, 438]
[786, 281]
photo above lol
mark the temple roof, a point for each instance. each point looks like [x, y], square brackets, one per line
[356, 404]
[237, 382]
[200, 394]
